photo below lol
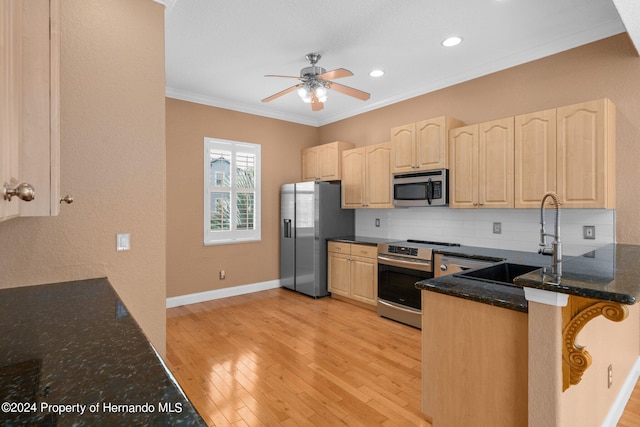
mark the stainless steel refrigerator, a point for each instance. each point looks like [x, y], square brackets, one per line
[309, 214]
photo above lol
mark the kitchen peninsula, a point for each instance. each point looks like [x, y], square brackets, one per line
[502, 355]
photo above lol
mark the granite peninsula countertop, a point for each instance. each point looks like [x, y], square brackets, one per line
[71, 354]
[610, 273]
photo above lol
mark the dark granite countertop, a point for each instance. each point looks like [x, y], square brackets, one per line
[75, 344]
[510, 297]
[363, 240]
[610, 273]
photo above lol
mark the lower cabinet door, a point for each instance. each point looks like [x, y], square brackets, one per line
[338, 277]
[364, 280]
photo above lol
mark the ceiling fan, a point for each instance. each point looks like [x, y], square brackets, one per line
[314, 82]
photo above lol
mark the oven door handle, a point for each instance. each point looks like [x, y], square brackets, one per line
[413, 265]
[399, 307]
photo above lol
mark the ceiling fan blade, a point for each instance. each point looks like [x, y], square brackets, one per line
[279, 94]
[316, 105]
[286, 77]
[349, 91]
[335, 74]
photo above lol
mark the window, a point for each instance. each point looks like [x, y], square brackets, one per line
[231, 191]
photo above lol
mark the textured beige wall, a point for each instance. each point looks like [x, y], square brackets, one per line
[191, 266]
[112, 160]
[606, 69]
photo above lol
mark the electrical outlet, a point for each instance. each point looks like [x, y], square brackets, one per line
[610, 376]
[377, 222]
[497, 228]
[222, 275]
[589, 232]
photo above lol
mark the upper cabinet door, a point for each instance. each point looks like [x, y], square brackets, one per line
[463, 176]
[432, 142]
[329, 157]
[353, 178]
[403, 139]
[379, 193]
[10, 119]
[586, 154]
[535, 157]
[310, 164]
[495, 169]
[31, 40]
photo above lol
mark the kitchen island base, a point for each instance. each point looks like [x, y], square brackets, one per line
[474, 361]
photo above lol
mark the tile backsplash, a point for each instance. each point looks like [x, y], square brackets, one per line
[520, 228]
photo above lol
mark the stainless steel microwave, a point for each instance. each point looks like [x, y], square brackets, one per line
[429, 188]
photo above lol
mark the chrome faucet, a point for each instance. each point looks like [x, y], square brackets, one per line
[556, 246]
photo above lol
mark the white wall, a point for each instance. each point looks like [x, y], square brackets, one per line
[474, 227]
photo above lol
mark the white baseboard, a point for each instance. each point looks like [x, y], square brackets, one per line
[221, 293]
[616, 410]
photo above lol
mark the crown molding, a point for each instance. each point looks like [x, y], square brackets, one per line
[629, 11]
[235, 106]
[166, 3]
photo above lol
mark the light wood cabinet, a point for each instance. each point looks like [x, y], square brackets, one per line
[422, 145]
[586, 154]
[353, 272]
[495, 170]
[323, 162]
[569, 150]
[481, 173]
[534, 157]
[29, 104]
[474, 363]
[366, 177]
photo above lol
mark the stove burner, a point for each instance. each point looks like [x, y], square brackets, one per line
[428, 242]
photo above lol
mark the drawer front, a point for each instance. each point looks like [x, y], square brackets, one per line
[339, 247]
[366, 251]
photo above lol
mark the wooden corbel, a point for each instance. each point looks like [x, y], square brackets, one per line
[578, 312]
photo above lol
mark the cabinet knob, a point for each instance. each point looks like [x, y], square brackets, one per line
[68, 199]
[22, 191]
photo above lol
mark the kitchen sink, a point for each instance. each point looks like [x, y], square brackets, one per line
[502, 273]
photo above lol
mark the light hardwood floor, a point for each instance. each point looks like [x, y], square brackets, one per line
[280, 358]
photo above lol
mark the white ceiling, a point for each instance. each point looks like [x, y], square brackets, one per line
[218, 51]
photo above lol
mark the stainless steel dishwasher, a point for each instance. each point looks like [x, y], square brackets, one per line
[448, 264]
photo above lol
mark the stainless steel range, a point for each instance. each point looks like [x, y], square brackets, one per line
[400, 266]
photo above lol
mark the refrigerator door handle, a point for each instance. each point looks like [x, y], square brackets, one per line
[287, 228]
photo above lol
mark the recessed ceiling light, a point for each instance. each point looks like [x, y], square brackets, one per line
[376, 73]
[452, 41]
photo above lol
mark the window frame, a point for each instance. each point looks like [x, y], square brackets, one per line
[233, 235]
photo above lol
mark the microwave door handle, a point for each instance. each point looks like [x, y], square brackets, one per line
[429, 191]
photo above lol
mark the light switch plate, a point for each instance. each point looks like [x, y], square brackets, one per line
[123, 242]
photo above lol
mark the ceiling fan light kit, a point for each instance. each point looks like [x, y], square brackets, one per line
[315, 82]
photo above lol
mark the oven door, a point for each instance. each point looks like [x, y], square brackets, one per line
[398, 297]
